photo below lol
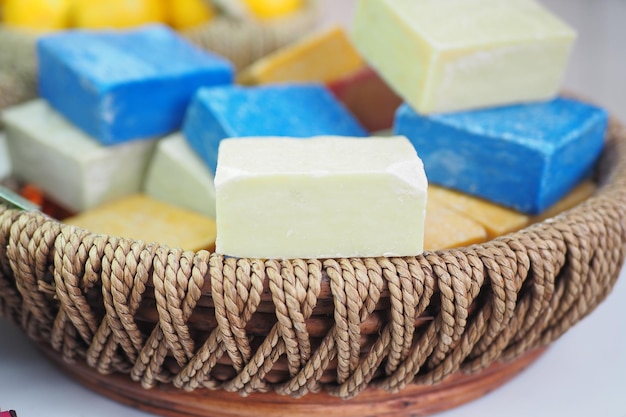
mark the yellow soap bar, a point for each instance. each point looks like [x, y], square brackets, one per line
[322, 57]
[579, 194]
[143, 218]
[496, 219]
[446, 229]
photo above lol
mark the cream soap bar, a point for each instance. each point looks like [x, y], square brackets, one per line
[144, 218]
[5, 162]
[496, 219]
[71, 167]
[322, 57]
[178, 176]
[442, 56]
[325, 197]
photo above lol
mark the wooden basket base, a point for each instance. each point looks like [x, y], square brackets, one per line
[412, 401]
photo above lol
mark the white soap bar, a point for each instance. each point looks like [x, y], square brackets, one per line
[71, 167]
[5, 163]
[324, 197]
[178, 176]
[450, 55]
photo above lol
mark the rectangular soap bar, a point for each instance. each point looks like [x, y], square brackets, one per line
[141, 217]
[525, 157]
[71, 167]
[290, 110]
[321, 57]
[325, 197]
[446, 229]
[177, 176]
[496, 219]
[120, 86]
[442, 56]
[5, 162]
[368, 97]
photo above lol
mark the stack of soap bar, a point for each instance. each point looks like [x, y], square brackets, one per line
[368, 97]
[442, 56]
[524, 157]
[325, 197]
[144, 218]
[446, 229]
[5, 162]
[129, 85]
[71, 167]
[177, 176]
[298, 110]
[579, 194]
[322, 57]
[496, 219]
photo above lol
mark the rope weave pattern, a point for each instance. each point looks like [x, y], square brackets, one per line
[201, 320]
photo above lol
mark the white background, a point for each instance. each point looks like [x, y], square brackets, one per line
[583, 374]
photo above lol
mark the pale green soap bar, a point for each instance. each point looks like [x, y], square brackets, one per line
[5, 162]
[71, 167]
[324, 197]
[446, 55]
[178, 176]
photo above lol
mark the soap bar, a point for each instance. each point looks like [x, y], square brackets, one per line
[144, 218]
[325, 197]
[446, 229]
[74, 169]
[496, 219]
[368, 97]
[290, 110]
[442, 56]
[120, 86]
[177, 176]
[5, 162]
[579, 194]
[321, 57]
[525, 157]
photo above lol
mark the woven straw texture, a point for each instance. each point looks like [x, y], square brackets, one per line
[200, 320]
[241, 41]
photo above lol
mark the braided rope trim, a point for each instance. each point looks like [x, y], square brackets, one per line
[201, 320]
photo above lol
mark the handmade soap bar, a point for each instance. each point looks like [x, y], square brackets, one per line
[496, 219]
[579, 194]
[5, 162]
[71, 167]
[325, 197]
[525, 157]
[445, 228]
[144, 218]
[321, 57]
[298, 110]
[368, 97]
[456, 55]
[119, 86]
[177, 176]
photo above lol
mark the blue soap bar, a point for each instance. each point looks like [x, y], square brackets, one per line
[524, 156]
[120, 86]
[293, 110]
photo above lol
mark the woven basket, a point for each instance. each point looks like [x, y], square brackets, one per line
[241, 41]
[186, 321]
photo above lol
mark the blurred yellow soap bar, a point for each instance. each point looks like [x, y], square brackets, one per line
[322, 57]
[579, 194]
[446, 229]
[143, 218]
[496, 219]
